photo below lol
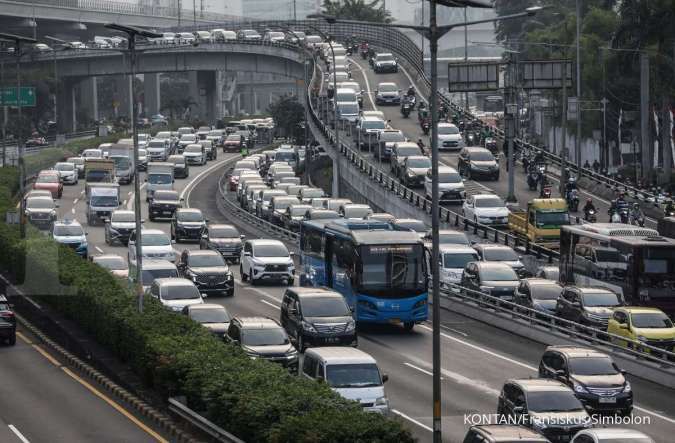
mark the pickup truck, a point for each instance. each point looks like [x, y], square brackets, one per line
[97, 171]
[541, 221]
[102, 200]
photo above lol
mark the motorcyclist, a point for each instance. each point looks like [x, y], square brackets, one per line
[420, 143]
[411, 91]
[485, 133]
[636, 214]
[618, 204]
[589, 206]
[539, 157]
[422, 105]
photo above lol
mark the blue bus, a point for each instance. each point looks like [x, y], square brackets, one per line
[380, 272]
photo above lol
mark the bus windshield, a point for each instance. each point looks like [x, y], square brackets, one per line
[392, 271]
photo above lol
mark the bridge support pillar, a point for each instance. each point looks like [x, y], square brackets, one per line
[66, 105]
[122, 97]
[203, 90]
[89, 98]
[151, 94]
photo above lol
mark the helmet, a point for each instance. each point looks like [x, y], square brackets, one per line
[636, 206]
[589, 200]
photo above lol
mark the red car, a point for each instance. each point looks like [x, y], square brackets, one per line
[49, 181]
[232, 143]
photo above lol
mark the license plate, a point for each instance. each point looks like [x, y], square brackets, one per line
[332, 340]
[394, 321]
[607, 400]
[166, 212]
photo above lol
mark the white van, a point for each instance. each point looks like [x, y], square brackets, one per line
[351, 373]
[221, 35]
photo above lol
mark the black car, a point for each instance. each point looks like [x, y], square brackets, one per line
[187, 224]
[180, 167]
[317, 317]
[262, 337]
[119, 226]
[223, 238]
[208, 271]
[596, 380]
[491, 278]
[590, 306]
[538, 294]
[7, 322]
[164, 204]
[213, 317]
[476, 163]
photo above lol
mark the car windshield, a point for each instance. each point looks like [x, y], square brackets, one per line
[324, 307]
[545, 292]
[419, 163]
[458, 238]
[413, 225]
[193, 149]
[47, 178]
[64, 167]
[112, 263]
[264, 337]
[189, 216]
[357, 212]
[178, 161]
[656, 320]
[373, 124]
[312, 193]
[448, 130]
[498, 274]
[188, 137]
[284, 156]
[552, 219]
[408, 151]
[234, 138]
[557, 401]
[68, 231]
[157, 144]
[299, 211]
[392, 271]
[283, 203]
[271, 250]
[206, 261]
[489, 203]
[109, 201]
[40, 203]
[449, 177]
[223, 232]
[321, 215]
[482, 156]
[121, 163]
[592, 366]
[142, 153]
[607, 299]
[349, 108]
[353, 375]
[166, 196]
[458, 260]
[387, 87]
[500, 254]
[155, 239]
[205, 316]
[385, 57]
[149, 275]
[163, 135]
[267, 196]
[160, 179]
[391, 136]
[180, 292]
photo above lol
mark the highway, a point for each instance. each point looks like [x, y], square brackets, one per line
[42, 400]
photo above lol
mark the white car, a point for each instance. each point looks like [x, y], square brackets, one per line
[156, 244]
[487, 209]
[611, 435]
[449, 137]
[67, 172]
[175, 293]
[452, 260]
[450, 185]
[194, 154]
[92, 153]
[266, 260]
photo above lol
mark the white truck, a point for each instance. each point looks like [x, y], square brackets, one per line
[102, 200]
[160, 176]
[122, 156]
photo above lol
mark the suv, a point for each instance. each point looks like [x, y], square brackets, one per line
[293, 216]
[487, 209]
[476, 162]
[367, 130]
[180, 167]
[398, 154]
[70, 233]
[119, 226]
[262, 337]
[223, 238]
[387, 93]
[187, 224]
[589, 306]
[175, 293]
[155, 245]
[207, 270]
[414, 170]
[547, 406]
[503, 434]
[41, 211]
[596, 380]
[495, 279]
[164, 204]
[386, 140]
[503, 254]
[384, 62]
[7, 322]
[452, 260]
[266, 260]
[213, 317]
[450, 185]
[317, 317]
[538, 294]
[264, 199]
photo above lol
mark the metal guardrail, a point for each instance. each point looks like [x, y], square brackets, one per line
[201, 423]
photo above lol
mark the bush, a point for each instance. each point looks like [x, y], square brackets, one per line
[254, 399]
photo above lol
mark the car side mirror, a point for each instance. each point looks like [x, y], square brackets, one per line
[205, 236]
[385, 378]
[173, 242]
[292, 254]
[242, 236]
[106, 220]
[204, 295]
[247, 254]
[519, 410]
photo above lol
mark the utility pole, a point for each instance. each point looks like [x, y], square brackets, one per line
[466, 58]
[511, 109]
[644, 115]
[577, 139]
[564, 152]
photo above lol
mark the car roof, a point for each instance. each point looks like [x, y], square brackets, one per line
[106, 256]
[193, 210]
[539, 384]
[318, 293]
[206, 306]
[264, 241]
[342, 354]
[492, 264]
[537, 281]
[457, 248]
[222, 226]
[594, 289]
[257, 322]
[173, 281]
[152, 231]
[576, 351]
[640, 310]
[371, 118]
[150, 264]
[508, 433]
[416, 157]
[202, 252]
[442, 169]
[123, 211]
[472, 149]
[484, 196]
[39, 198]
[68, 222]
[491, 246]
[612, 433]
[386, 83]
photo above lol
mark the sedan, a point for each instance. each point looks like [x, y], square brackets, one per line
[213, 317]
[486, 209]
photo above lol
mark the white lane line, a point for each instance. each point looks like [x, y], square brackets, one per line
[82, 192]
[270, 304]
[424, 371]
[124, 203]
[412, 420]
[365, 79]
[129, 193]
[72, 210]
[99, 250]
[455, 331]
[75, 201]
[18, 434]
[256, 290]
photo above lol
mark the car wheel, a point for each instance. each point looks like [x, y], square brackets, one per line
[408, 326]
[107, 238]
[151, 217]
[291, 281]
[12, 340]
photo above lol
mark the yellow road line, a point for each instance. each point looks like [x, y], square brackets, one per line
[24, 338]
[48, 356]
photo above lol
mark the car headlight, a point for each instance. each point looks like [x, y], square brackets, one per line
[486, 289]
[641, 338]
[411, 174]
[350, 326]
[627, 387]
[381, 401]
[580, 389]
[308, 326]
[538, 424]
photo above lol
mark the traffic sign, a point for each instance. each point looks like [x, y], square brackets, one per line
[8, 96]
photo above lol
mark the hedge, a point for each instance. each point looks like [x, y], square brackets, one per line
[254, 399]
[48, 156]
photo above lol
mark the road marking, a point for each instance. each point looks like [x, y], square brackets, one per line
[412, 420]
[24, 338]
[18, 434]
[82, 192]
[365, 79]
[47, 355]
[75, 201]
[187, 190]
[257, 291]
[424, 371]
[99, 249]
[270, 304]
[129, 193]
[124, 203]
[117, 407]
[405, 72]
[455, 331]
[72, 210]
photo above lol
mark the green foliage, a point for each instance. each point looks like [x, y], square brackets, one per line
[47, 157]
[362, 10]
[288, 113]
[255, 399]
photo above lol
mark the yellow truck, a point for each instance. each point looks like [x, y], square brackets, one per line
[541, 221]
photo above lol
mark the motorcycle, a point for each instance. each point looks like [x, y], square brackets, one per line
[491, 144]
[405, 109]
[545, 192]
[589, 216]
[573, 200]
[614, 217]
[637, 219]
[425, 127]
[470, 138]
[670, 213]
[412, 100]
[364, 52]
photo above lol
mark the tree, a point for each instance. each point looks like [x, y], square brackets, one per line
[288, 113]
[362, 10]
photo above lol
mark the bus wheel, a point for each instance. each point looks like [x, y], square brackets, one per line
[408, 326]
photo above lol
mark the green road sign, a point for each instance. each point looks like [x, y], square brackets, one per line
[8, 96]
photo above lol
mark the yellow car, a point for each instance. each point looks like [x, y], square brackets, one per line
[646, 325]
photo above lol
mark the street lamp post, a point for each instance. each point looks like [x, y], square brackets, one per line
[18, 40]
[132, 33]
[577, 139]
[434, 33]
